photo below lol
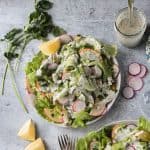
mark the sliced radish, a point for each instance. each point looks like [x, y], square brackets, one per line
[128, 92]
[130, 147]
[143, 71]
[65, 75]
[134, 69]
[65, 38]
[129, 77]
[131, 126]
[63, 101]
[52, 66]
[98, 109]
[136, 83]
[116, 70]
[78, 106]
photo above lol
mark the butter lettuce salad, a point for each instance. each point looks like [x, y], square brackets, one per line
[76, 83]
[122, 136]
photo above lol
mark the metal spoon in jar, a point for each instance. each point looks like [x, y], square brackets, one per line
[130, 9]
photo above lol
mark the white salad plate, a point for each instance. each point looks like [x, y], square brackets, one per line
[30, 98]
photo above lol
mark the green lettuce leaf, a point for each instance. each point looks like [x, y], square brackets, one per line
[41, 103]
[118, 146]
[107, 68]
[144, 124]
[110, 50]
[100, 137]
[32, 78]
[80, 119]
[82, 144]
[35, 63]
[32, 67]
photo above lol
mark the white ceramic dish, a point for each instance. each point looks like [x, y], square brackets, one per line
[108, 105]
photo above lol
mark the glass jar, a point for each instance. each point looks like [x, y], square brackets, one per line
[130, 35]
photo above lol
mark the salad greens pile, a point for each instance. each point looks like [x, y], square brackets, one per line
[39, 25]
[74, 85]
[118, 137]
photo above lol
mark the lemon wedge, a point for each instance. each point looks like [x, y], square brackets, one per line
[36, 145]
[27, 132]
[50, 47]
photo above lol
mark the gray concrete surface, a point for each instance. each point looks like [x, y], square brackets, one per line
[88, 17]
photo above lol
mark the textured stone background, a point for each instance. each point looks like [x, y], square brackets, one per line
[88, 17]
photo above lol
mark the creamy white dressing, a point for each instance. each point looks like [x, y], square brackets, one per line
[125, 27]
[123, 133]
[129, 34]
[137, 145]
[108, 147]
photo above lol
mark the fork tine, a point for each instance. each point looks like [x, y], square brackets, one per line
[66, 143]
[72, 144]
[66, 139]
[68, 146]
[63, 141]
[60, 143]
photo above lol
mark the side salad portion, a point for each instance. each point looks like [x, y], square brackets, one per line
[73, 79]
[122, 136]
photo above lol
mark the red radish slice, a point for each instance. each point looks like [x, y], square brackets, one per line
[63, 101]
[65, 38]
[143, 71]
[78, 106]
[98, 110]
[136, 83]
[129, 77]
[134, 69]
[128, 92]
[131, 126]
[116, 70]
[130, 147]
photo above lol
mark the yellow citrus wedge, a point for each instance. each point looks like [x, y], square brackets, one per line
[27, 132]
[36, 145]
[50, 47]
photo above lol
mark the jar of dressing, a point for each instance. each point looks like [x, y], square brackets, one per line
[128, 34]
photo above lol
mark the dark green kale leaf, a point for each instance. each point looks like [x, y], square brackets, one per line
[11, 34]
[56, 30]
[43, 5]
